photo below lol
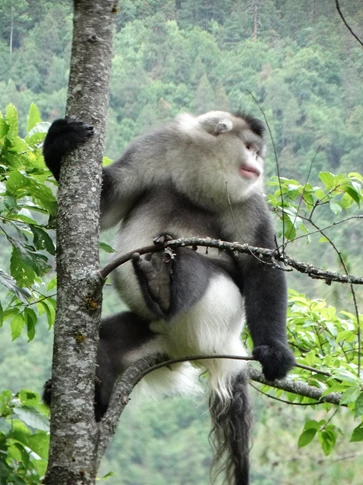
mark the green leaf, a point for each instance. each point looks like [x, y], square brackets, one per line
[22, 293]
[37, 135]
[327, 178]
[320, 194]
[23, 218]
[335, 207]
[39, 443]
[17, 325]
[52, 284]
[5, 400]
[358, 411]
[15, 183]
[327, 438]
[12, 118]
[30, 320]
[357, 434]
[350, 395]
[5, 427]
[346, 335]
[31, 417]
[28, 397]
[4, 128]
[24, 275]
[352, 192]
[346, 201]
[1, 315]
[33, 117]
[42, 240]
[106, 161]
[312, 424]
[306, 437]
[49, 310]
[37, 261]
[105, 247]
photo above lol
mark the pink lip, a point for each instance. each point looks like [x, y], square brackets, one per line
[249, 172]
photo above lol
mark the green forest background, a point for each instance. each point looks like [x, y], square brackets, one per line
[305, 70]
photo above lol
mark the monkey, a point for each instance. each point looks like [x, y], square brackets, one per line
[193, 176]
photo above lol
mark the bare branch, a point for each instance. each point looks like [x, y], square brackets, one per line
[296, 387]
[138, 370]
[120, 398]
[346, 23]
[268, 256]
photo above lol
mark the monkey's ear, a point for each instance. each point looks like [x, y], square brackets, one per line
[214, 124]
[223, 126]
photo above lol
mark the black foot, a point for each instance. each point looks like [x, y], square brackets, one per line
[154, 273]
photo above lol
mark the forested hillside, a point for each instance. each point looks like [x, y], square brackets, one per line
[297, 58]
[290, 62]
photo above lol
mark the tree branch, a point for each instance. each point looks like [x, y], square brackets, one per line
[120, 398]
[138, 370]
[268, 256]
[346, 23]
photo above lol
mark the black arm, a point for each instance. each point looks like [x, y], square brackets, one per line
[265, 292]
[265, 304]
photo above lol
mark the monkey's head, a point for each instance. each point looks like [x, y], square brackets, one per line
[222, 158]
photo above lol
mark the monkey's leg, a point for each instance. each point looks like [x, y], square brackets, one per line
[121, 335]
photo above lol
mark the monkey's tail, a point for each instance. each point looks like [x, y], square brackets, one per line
[231, 421]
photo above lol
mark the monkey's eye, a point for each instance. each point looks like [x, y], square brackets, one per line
[251, 147]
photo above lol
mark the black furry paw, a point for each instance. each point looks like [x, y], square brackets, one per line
[63, 136]
[276, 360]
[47, 393]
[76, 130]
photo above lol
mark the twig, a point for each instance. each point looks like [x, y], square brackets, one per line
[142, 367]
[284, 401]
[267, 255]
[302, 196]
[276, 159]
[352, 290]
[326, 227]
[346, 23]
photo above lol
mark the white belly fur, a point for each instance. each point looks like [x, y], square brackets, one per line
[213, 325]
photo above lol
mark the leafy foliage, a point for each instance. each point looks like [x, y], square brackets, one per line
[24, 438]
[27, 209]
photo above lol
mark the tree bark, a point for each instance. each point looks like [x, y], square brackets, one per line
[73, 445]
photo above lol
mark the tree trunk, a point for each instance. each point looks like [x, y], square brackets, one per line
[73, 444]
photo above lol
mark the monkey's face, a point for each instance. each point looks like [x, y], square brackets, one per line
[239, 149]
[221, 158]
